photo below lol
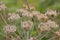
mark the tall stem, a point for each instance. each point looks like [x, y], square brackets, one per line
[26, 2]
[27, 35]
[3, 19]
[44, 35]
[52, 38]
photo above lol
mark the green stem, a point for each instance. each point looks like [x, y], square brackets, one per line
[26, 2]
[44, 35]
[27, 35]
[3, 19]
[17, 36]
[52, 38]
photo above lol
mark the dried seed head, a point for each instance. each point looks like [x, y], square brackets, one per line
[51, 13]
[2, 6]
[26, 25]
[13, 16]
[9, 28]
[42, 17]
[39, 16]
[57, 33]
[21, 10]
[27, 14]
[35, 13]
[52, 24]
[43, 27]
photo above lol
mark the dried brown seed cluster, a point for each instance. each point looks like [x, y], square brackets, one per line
[57, 33]
[13, 16]
[52, 24]
[43, 27]
[51, 13]
[26, 25]
[9, 28]
[47, 25]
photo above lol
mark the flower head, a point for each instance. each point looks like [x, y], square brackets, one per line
[57, 33]
[26, 25]
[2, 6]
[39, 16]
[35, 13]
[13, 16]
[27, 14]
[51, 13]
[9, 28]
[52, 24]
[43, 27]
[21, 10]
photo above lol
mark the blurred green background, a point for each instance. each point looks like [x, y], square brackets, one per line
[41, 5]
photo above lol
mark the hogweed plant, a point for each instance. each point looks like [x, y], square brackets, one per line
[29, 24]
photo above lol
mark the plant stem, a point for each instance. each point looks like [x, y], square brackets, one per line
[26, 2]
[3, 19]
[17, 36]
[27, 34]
[44, 35]
[52, 38]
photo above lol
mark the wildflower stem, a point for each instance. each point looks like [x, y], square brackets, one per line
[44, 35]
[11, 36]
[24, 33]
[39, 35]
[3, 19]
[28, 35]
[17, 36]
[7, 36]
[27, 4]
[52, 38]
[1, 33]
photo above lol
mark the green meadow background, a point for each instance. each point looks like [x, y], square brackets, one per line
[40, 5]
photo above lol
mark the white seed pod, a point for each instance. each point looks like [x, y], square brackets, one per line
[43, 27]
[9, 28]
[13, 16]
[51, 13]
[52, 24]
[26, 25]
